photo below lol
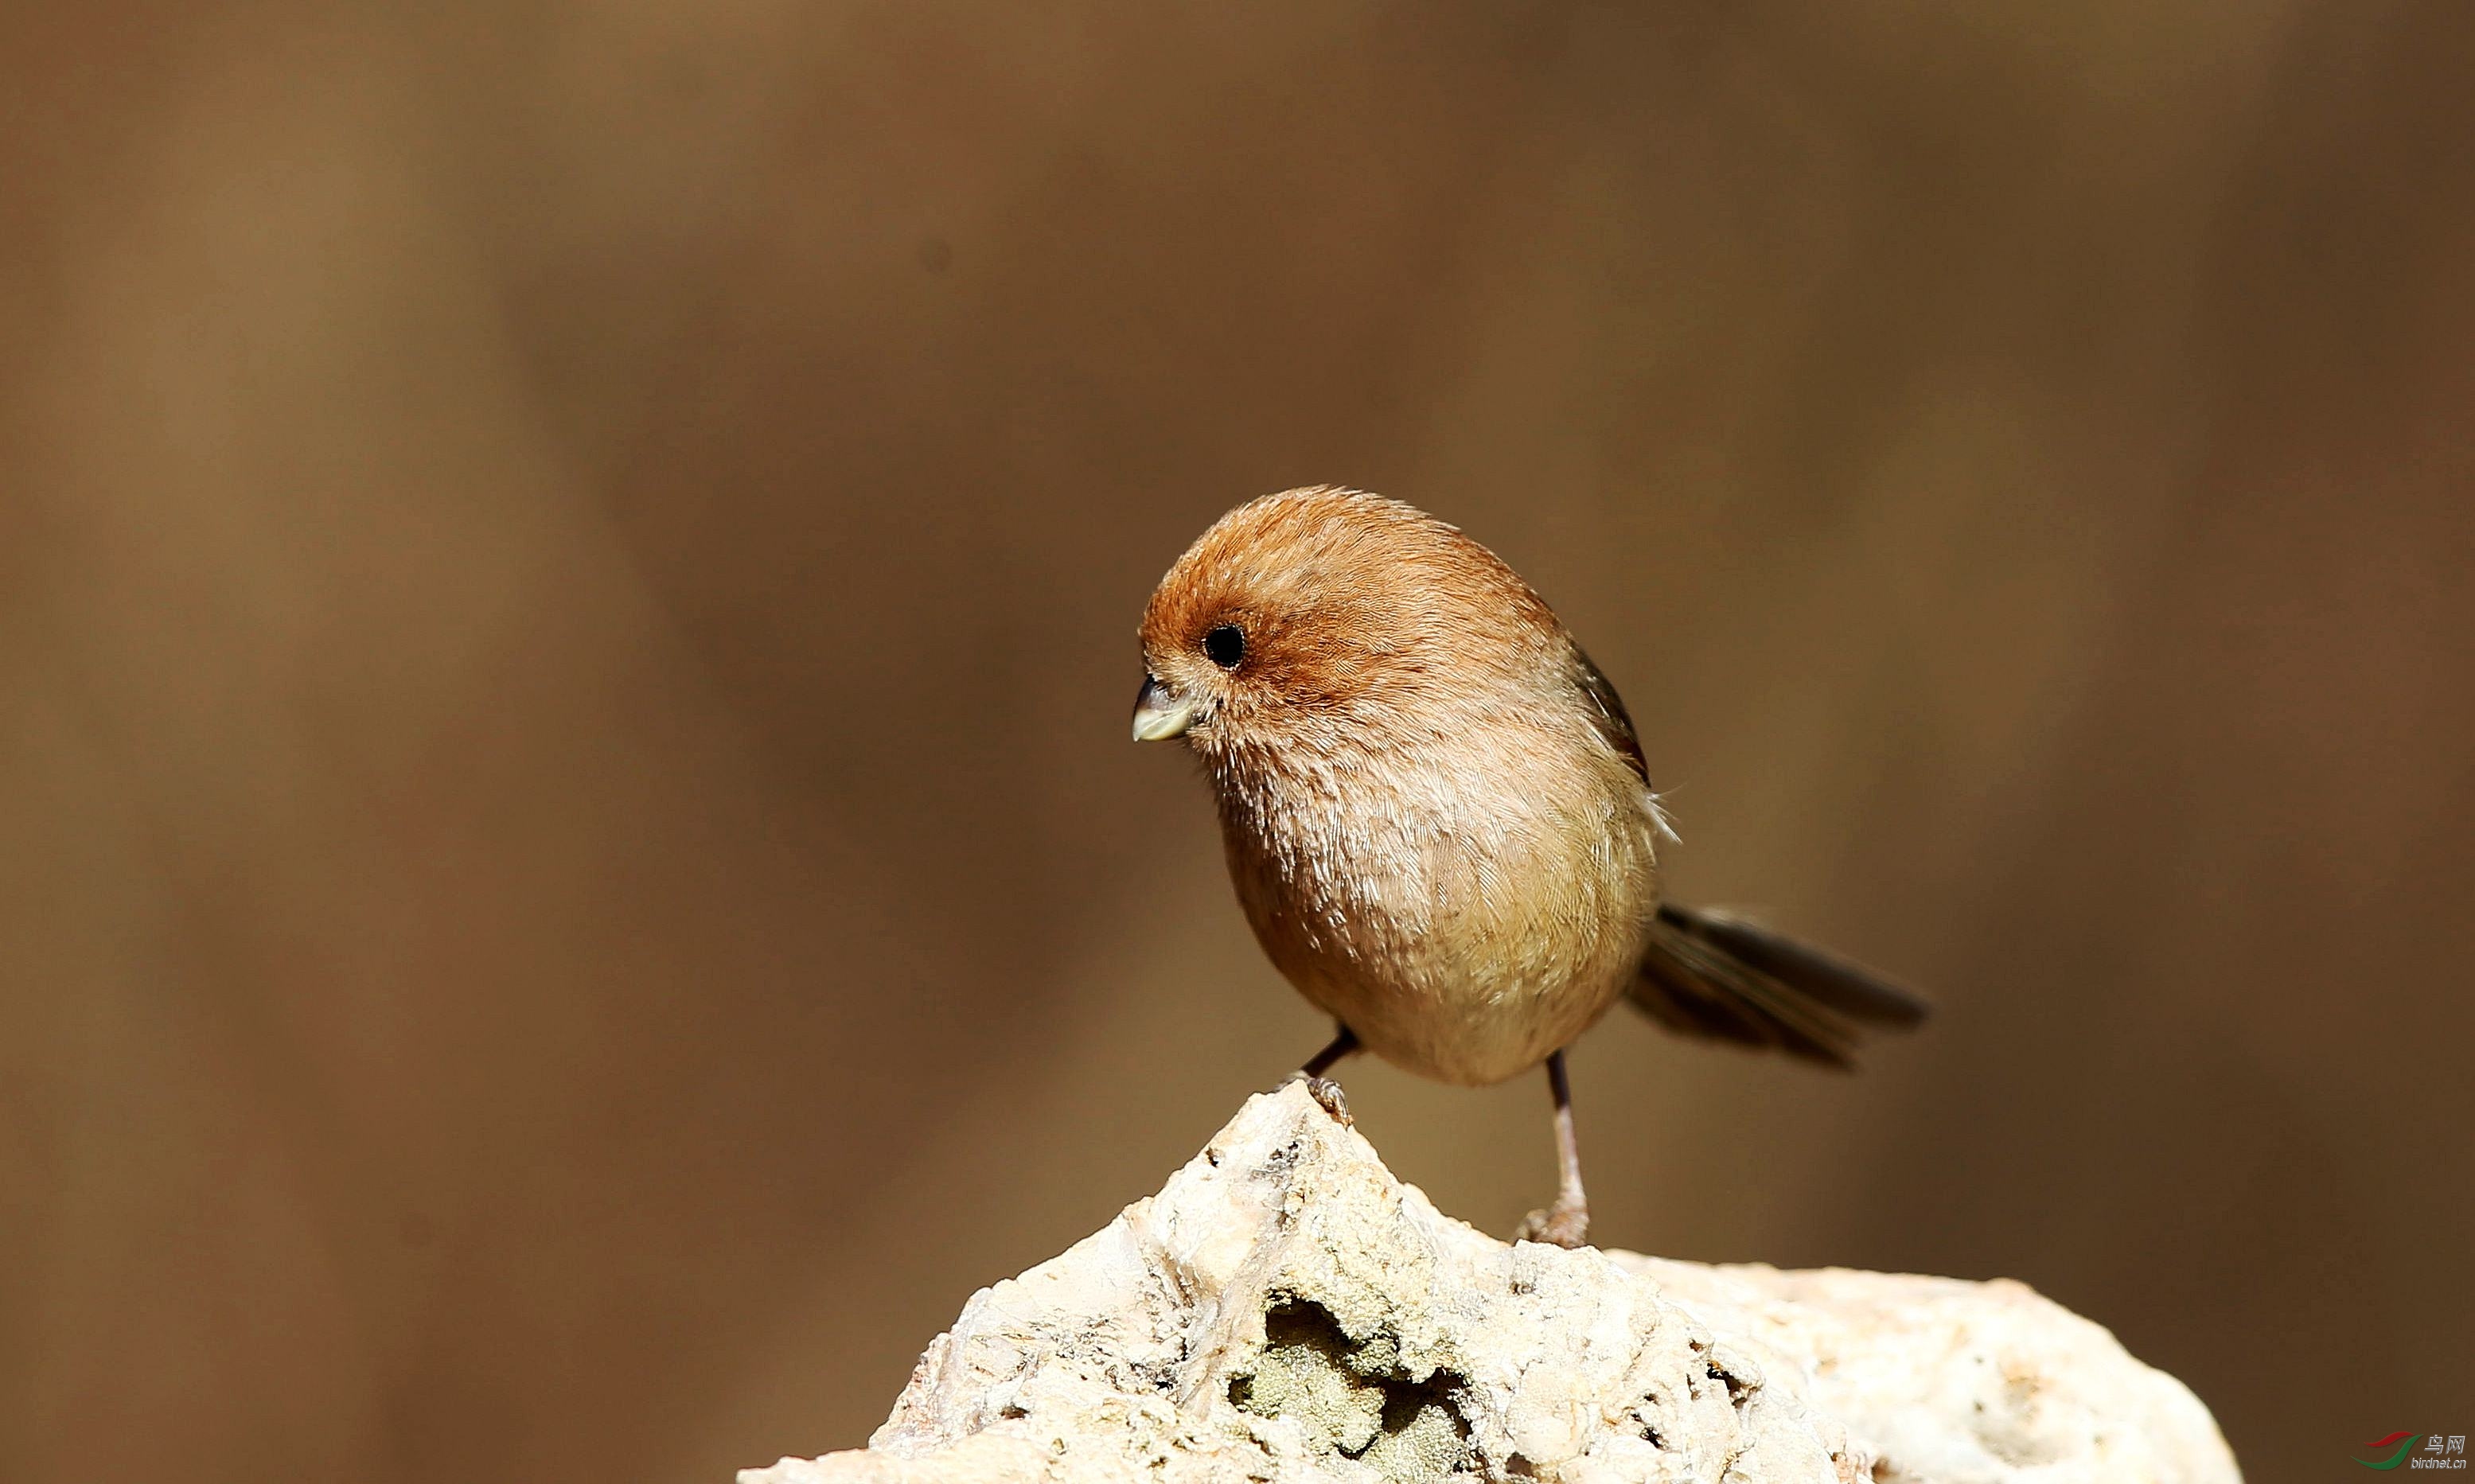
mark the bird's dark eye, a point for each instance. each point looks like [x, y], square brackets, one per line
[1226, 646]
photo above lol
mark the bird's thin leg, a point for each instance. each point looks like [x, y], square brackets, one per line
[1567, 1222]
[1323, 1089]
[1322, 1062]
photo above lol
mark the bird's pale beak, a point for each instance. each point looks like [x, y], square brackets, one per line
[1160, 713]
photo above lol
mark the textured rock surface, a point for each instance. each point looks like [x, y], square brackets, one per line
[1286, 1310]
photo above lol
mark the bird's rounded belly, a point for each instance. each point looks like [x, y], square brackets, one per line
[1456, 961]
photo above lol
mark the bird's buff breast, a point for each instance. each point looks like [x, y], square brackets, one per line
[1460, 946]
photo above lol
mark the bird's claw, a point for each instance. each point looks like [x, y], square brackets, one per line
[1566, 1224]
[1326, 1092]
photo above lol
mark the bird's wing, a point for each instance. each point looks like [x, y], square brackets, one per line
[1608, 712]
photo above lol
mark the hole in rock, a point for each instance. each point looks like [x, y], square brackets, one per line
[1355, 1396]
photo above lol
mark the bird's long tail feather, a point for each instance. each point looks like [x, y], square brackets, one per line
[1719, 977]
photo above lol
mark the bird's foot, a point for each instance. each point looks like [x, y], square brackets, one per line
[1566, 1224]
[1327, 1093]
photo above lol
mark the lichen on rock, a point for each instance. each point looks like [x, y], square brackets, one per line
[1354, 1396]
[1286, 1310]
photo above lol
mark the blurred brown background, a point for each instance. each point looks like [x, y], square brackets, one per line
[572, 875]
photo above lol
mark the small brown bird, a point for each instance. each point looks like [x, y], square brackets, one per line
[1438, 817]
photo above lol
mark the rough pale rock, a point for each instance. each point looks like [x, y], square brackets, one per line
[1286, 1310]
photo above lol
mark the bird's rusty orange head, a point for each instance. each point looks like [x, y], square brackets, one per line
[1314, 615]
